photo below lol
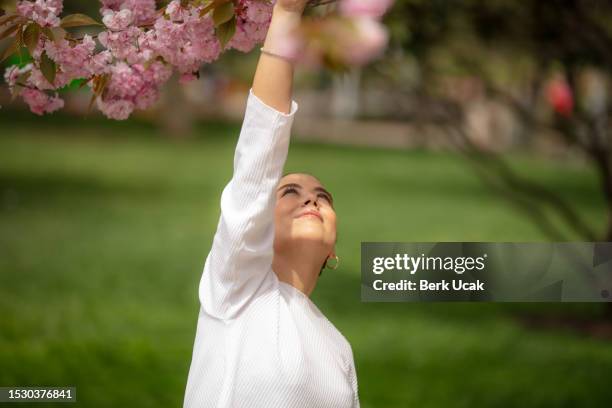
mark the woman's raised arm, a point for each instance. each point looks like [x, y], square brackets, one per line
[240, 259]
[274, 76]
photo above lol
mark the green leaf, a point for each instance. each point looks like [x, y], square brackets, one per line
[47, 31]
[74, 85]
[54, 34]
[223, 13]
[10, 50]
[207, 8]
[31, 36]
[16, 92]
[80, 82]
[78, 20]
[24, 77]
[226, 31]
[48, 68]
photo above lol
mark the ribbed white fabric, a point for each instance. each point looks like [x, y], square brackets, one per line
[261, 342]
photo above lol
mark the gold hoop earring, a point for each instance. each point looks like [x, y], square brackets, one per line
[335, 265]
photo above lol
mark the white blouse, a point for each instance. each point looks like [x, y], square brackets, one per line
[261, 342]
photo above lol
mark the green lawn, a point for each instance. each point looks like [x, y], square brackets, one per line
[104, 229]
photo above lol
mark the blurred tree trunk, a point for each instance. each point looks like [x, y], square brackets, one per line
[345, 101]
[176, 116]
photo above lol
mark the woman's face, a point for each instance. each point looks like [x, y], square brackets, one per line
[304, 212]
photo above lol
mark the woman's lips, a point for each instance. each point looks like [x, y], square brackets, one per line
[312, 213]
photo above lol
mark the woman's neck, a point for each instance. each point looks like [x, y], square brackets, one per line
[297, 267]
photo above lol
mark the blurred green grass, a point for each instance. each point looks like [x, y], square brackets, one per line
[104, 229]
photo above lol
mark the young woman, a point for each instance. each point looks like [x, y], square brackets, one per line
[260, 341]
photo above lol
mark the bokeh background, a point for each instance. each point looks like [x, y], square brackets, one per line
[483, 121]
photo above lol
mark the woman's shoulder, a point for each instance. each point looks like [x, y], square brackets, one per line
[294, 295]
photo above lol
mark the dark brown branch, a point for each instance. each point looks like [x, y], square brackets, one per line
[601, 157]
[520, 191]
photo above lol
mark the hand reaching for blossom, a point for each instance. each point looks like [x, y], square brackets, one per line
[353, 38]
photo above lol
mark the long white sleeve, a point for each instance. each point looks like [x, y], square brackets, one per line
[245, 234]
[354, 383]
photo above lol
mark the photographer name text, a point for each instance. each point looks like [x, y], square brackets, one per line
[425, 285]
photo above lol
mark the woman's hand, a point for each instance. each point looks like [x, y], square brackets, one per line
[274, 76]
[292, 6]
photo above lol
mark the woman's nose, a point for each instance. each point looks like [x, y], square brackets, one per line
[315, 202]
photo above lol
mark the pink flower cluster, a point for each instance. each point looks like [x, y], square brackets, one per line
[356, 38]
[44, 12]
[253, 19]
[132, 87]
[39, 101]
[141, 11]
[183, 38]
[141, 46]
[77, 60]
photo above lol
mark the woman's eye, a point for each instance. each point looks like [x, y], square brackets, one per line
[325, 197]
[289, 190]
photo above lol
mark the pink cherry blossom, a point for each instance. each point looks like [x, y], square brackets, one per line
[156, 73]
[124, 44]
[125, 81]
[366, 42]
[186, 78]
[259, 12]
[12, 73]
[143, 11]
[118, 109]
[146, 97]
[44, 12]
[111, 4]
[247, 35]
[252, 20]
[40, 103]
[73, 59]
[365, 8]
[346, 41]
[38, 80]
[117, 20]
[100, 63]
[132, 87]
[176, 11]
[187, 43]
